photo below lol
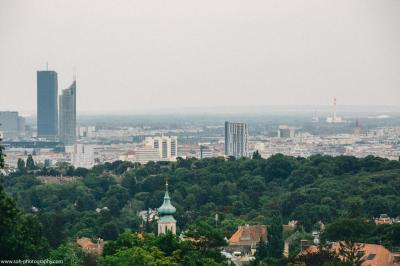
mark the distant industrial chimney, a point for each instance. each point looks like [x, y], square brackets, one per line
[334, 109]
[334, 118]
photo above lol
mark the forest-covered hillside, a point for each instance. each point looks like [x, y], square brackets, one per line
[319, 188]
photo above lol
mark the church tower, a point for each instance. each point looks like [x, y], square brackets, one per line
[166, 221]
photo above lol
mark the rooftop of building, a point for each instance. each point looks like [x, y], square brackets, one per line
[248, 233]
[374, 254]
[87, 245]
[166, 208]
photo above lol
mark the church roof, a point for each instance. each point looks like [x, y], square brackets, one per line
[166, 208]
[167, 219]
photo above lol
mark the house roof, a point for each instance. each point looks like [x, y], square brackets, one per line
[87, 245]
[375, 255]
[248, 233]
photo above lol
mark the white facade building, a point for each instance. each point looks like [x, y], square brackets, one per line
[81, 155]
[147, 153]
[236, 139]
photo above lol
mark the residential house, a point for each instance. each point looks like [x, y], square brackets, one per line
[88, 246]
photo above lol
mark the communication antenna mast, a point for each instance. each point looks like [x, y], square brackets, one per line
[47, 65]
[74, 73]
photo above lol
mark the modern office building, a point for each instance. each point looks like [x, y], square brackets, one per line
[68, 115]
[285, 131]
[236, 143]
[11, 124]
[167, 146]
[160, 148]
[47, 106]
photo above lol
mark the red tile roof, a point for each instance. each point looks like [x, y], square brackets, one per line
[375, 255]
[248, 234]
[87, 245]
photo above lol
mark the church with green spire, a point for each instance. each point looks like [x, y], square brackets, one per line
[166, 211]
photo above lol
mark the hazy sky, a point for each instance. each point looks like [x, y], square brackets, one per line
[132, 55]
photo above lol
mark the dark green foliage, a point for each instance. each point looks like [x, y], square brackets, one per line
[115, 198]
[349, 229]
[346, 164]
[20, 234]
[275, 238]
[109, 231]
[86, 202]
[278, 167]
[318, 188]
[302, 176]
[53, 223]
[147, 249]
[358, 230]
[256, 155]
[262, 250]
[21, 165]
[30, 164]
[207, 236]
[168, 243]
[70, 254]
[81, 171]
[1, 155]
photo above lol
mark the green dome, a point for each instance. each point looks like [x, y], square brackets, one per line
[166, 208]
[167, 219]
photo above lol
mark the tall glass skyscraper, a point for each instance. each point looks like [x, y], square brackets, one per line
[68, 115]
[47, 107]
[236, 143]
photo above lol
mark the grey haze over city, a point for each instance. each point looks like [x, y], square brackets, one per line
[136, 56]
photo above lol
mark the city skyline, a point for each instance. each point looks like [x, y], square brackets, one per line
[147, 54]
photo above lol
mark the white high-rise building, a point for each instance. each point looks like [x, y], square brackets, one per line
[68, 115]
[236, 143]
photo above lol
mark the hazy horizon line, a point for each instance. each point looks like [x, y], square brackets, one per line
[235, 109]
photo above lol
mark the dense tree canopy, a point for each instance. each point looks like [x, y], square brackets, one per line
[21, 235]
[104, 201]
[1, 154]
[147, 249]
